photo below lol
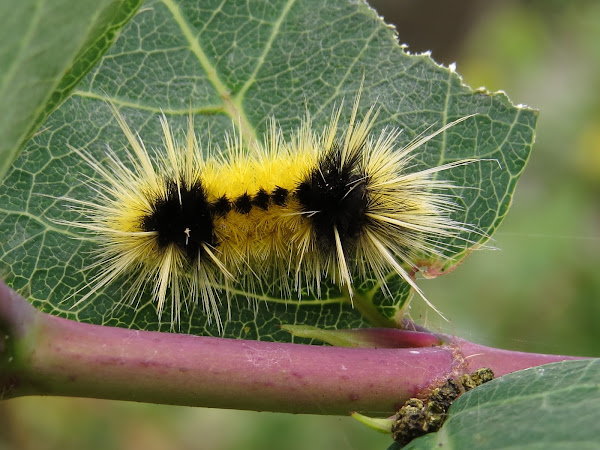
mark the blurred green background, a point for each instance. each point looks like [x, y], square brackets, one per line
[538, 292]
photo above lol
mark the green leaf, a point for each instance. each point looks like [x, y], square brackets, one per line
[45, 49]
[235, 64]
[555, 406]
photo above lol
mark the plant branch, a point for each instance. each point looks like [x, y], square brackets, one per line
[47, 355]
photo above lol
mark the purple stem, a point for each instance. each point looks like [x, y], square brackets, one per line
[47, 355]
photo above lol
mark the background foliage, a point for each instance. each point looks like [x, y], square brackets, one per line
[539, 293]
[540, 407]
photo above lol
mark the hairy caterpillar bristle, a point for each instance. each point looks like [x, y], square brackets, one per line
[300, 210]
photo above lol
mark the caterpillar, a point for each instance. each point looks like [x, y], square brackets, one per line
[315, 206]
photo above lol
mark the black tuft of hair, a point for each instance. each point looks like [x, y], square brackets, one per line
[261, 199]
[221, 207]
[183, 217]
[334, 195]
[279, 196]
[243, 204]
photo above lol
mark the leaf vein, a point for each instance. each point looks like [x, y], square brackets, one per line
[231, 108]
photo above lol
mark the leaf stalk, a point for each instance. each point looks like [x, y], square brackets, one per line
[43, 354]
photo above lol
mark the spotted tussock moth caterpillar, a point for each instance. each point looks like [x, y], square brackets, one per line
[338, 206]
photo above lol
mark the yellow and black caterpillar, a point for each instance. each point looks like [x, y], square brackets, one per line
[329, 205]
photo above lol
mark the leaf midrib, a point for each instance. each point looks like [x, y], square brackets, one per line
[232, 105]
